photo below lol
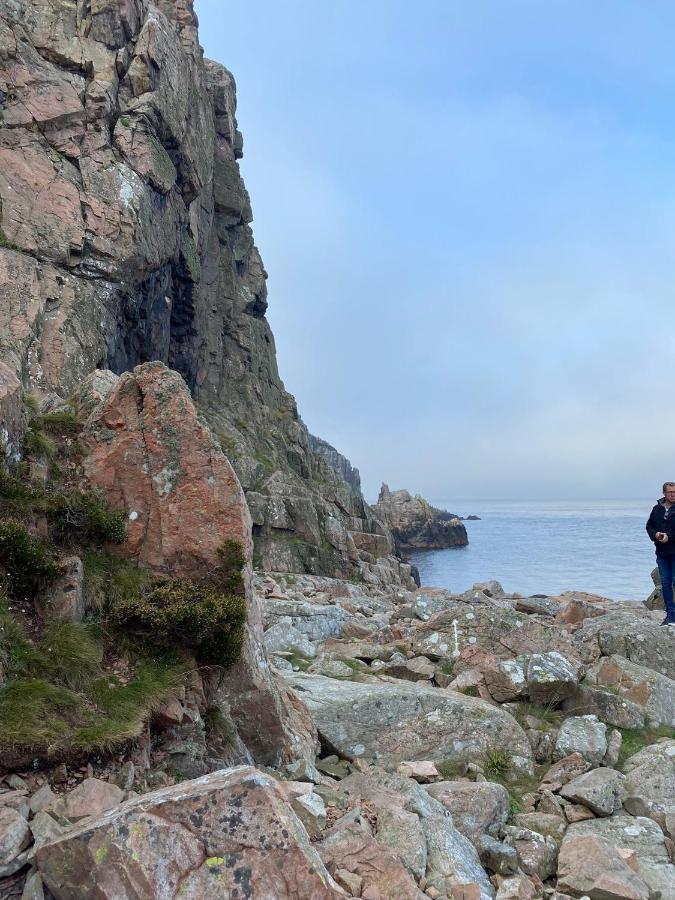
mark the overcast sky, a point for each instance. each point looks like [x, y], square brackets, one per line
[467, 214]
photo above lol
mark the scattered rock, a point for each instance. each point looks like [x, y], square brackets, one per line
[601, 790]
[585, 735]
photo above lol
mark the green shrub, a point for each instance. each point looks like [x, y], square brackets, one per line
[184, 612]
[19, 498]
[28, 562]
[124, 120]
[107, 579]
[17, 653]
[228, 574]
[89, 515]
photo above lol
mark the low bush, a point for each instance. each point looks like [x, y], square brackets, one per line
[36, 442]
[108, 580]
[184, 612]
[89, 515]
[27, 562]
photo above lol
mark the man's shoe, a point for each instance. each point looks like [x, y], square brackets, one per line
[668, 621]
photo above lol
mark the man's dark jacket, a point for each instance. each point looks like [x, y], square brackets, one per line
[662, 519]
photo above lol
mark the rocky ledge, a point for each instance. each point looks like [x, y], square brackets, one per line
[417, 525]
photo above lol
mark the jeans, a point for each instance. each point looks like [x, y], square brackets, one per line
[666, 566]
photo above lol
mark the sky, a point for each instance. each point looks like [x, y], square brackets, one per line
[467, 214]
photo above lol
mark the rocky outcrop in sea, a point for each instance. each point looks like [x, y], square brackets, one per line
[417, 525]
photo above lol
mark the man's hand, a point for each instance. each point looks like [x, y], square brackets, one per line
[661, 537]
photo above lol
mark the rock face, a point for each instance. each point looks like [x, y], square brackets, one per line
[416, 525]
[225, 833]
[125, 238]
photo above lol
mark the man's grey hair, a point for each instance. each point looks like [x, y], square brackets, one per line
[667, 484]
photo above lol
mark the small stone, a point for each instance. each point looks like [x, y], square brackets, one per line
[575, 812]
[33, 889]
[41, 799]
[422, 771]
[91, 797]
[17, 783]
[465, 891]
[14, 834]
[351, 882]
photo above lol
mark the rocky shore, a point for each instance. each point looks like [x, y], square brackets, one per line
[217, 678]
[480, 746]
[417, 525]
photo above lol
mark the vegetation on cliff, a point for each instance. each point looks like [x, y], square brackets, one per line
[70, 688]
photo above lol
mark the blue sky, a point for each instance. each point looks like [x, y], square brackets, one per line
[467, 213]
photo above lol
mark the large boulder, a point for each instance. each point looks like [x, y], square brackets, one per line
[591, 866]
[640, 685]
[391, 723]
[582, 734]
[634, 635]
[601, 790]
[650, 783]
[152, 455]
[644, 838]
[226, 833]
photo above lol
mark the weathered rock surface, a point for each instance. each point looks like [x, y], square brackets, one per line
[650, 783]
[150, 453]
[395, 722]
[585, 735]
[645, 839]
[477, 807]
[226, 832]
[601, 790]
[591, 866]
[416, 525]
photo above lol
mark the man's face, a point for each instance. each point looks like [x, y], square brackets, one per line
[670, 494]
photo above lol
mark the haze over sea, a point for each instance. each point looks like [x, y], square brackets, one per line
[546, 547]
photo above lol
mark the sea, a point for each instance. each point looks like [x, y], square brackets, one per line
[546, 547]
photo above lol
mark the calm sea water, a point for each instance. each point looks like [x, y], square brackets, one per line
[547, 547]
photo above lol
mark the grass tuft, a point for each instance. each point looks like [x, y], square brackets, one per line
[109, 580]
[635, 739]
[497, 764]
[71, 654]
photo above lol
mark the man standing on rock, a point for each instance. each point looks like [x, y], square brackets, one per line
[661, 529]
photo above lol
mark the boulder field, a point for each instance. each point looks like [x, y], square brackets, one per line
[473, 769]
